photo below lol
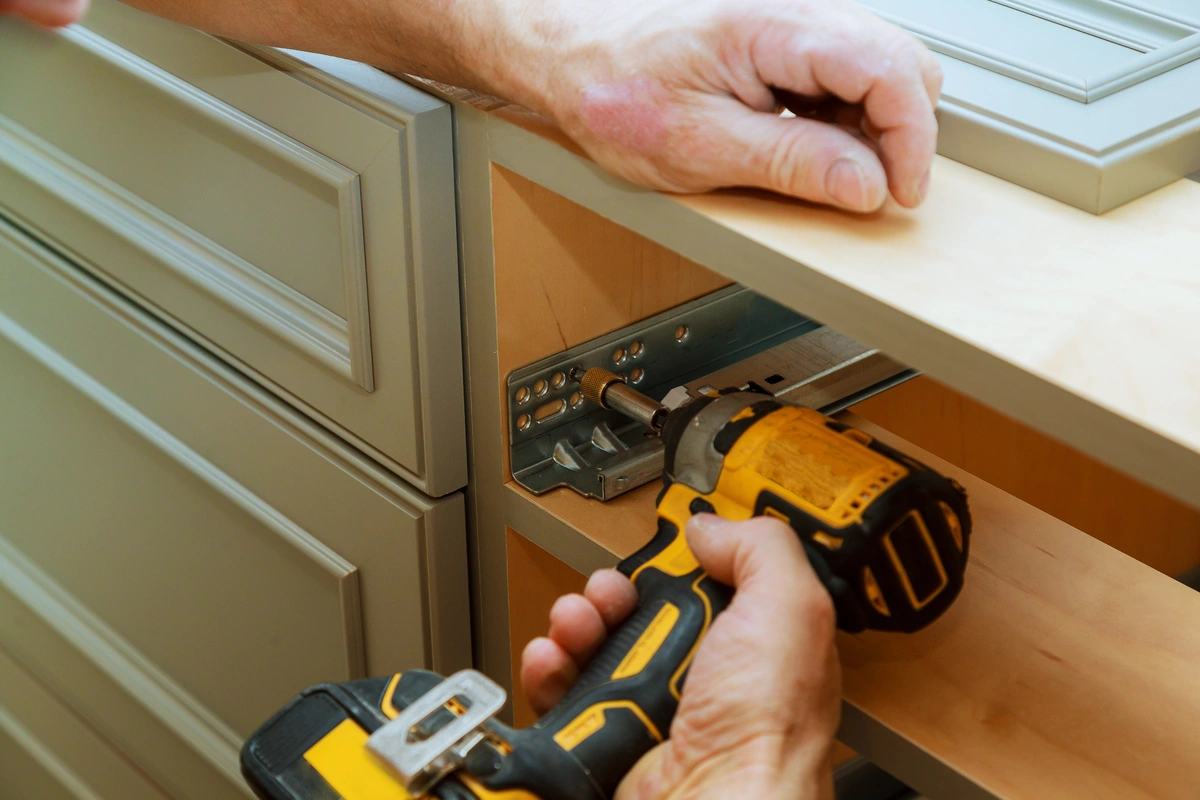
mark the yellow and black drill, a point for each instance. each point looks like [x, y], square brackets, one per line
[887, 536]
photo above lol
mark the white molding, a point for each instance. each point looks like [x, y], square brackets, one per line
[1178, 43]
[341, 345]
[345, 573]
[1128, 24]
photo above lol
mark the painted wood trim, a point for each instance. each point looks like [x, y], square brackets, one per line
[1128, 24]
[181, 713]
[30, 706]
[44, 756]
[343, 572]
[430, 203]
[1158, 57]
[341, 345]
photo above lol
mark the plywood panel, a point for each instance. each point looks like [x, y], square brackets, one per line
[1077, 325]
[565, 275]
[1093, 497]
[535, 580]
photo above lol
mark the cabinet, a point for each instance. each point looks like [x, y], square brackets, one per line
[232, 438]
[1054, 337]
[194, 548]
[306, 232]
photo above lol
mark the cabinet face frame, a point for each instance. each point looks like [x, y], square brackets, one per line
[386, 372]
[1093, 139]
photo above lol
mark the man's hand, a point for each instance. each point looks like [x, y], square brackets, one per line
[683, 95]
[761, 704]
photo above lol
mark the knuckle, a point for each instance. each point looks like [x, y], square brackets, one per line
[797, 163]
[816, 607]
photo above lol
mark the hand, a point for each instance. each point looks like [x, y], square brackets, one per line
[683, 95]
[50, 13]
[762, 700]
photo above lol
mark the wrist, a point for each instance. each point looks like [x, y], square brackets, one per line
[514, 48]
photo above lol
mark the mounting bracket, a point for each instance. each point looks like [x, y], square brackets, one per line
[730, 338]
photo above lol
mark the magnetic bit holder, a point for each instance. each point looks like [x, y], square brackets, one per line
[610, 391]
[421, 763]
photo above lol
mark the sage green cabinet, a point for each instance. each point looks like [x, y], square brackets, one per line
[49, 753]
[181, 551]
[300, 227]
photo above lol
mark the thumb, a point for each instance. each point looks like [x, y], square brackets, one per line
[803, 158]
[762, 558]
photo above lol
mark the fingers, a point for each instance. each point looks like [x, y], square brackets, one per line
[579, 624]
[763, 559]
[859, 58]
[613, 596]
[547, 673]
[897, 81]
[576, 625]
[50, 13]
[804, 158]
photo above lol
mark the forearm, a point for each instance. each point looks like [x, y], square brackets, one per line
[488, 45]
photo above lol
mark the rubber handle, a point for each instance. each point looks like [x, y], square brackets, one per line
[623, 704]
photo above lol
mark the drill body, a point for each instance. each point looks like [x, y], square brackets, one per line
[886, 535]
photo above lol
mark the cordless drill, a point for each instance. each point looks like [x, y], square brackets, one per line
[886, 535]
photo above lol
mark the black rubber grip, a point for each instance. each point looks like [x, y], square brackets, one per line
[623, 704]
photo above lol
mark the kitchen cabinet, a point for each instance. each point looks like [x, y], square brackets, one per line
[173, 454]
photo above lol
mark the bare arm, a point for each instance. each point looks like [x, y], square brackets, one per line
[679, 95]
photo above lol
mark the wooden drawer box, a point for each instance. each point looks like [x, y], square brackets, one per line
[306, 232]
[179, 550]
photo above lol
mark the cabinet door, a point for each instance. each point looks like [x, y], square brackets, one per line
[1092, 102]
[306, 231]
[179, 551]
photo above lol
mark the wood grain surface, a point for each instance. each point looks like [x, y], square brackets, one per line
[1066, 669]
[535, 579]
[565, 275]
[1093, 497]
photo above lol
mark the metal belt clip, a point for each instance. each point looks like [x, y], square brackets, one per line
[422, 762]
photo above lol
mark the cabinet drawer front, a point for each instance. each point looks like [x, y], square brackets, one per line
[48, 752]
[186, 533]
[270, 218]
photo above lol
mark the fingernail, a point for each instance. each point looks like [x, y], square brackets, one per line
[708, 523]
[923, 186]
[847, 183]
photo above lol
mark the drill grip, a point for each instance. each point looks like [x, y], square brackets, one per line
[623, 704]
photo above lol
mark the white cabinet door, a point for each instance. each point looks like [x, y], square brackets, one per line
[1092, 102]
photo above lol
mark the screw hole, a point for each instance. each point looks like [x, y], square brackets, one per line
[619, 355]
[540, 388]
[523, 422]
[636, 349]
[637, 375]
[681, 333]
[522, 395]
[576, 400]
[558, 381]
